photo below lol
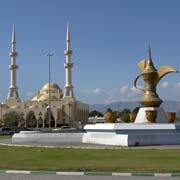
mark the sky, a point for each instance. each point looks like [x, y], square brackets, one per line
[109, 38]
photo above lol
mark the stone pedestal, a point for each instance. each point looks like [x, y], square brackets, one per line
[141, 116]
[38, 137]
[130, 134]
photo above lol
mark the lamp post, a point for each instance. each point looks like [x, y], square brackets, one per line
[69, 105]
[22, 124]
[49, 99]
[1, 118]
[40, 118]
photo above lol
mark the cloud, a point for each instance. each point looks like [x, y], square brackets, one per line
[135, 90]
[111, 99]
[124, 93]
[176, 86]
[114, 94]
[165, 85]
[124, 89]
[129, 91]
[98, 91]
[169, 90]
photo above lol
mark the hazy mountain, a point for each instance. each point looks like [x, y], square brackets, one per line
[114, 106]
[167, 105]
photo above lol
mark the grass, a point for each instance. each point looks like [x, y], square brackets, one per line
[122, 160]
[5, 136]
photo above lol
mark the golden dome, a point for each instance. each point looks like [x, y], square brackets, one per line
[43, 94]
[52, 86]
[45, 97]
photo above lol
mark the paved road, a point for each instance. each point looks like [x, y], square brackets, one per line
[57, 177]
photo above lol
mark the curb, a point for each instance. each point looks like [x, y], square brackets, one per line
[89, 173]
[61, 147]
[85, 147]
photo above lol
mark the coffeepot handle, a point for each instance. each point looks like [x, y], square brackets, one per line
[135, 82]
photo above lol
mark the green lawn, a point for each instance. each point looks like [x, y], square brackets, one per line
[122, 160]
[5, 136]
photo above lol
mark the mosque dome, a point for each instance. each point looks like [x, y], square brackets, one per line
[52, 86]
[43, 94]
[45, 97]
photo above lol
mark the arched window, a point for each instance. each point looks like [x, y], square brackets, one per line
[31, 119]
[40, 122]
[46, 120]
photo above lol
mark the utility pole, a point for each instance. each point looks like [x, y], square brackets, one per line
[49, 99]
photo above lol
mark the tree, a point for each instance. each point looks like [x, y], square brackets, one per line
[124, 115]
[95, 113]
[109, 110]
[11, 119]
[1, 122]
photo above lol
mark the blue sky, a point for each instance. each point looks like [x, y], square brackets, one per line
[109, 37]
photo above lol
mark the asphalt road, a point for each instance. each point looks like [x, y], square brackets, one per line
[58, 177]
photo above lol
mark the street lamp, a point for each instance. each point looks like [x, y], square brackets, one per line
[49, 99]
[22, 120]
[40, 118]
[69, 105]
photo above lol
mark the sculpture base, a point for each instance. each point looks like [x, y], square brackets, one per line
[38, 137]
[130, 134]
[141, 116]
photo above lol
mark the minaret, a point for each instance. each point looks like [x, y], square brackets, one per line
[13, 89]
[68, 88]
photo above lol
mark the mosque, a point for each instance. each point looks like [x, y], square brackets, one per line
[52, 106]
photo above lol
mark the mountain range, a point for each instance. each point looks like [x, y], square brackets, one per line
[172, 106]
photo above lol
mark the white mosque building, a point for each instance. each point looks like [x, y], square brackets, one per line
[52, 106]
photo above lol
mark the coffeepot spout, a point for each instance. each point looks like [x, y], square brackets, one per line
[162, 71]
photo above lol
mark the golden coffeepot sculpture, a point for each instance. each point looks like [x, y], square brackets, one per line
[151, 77]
